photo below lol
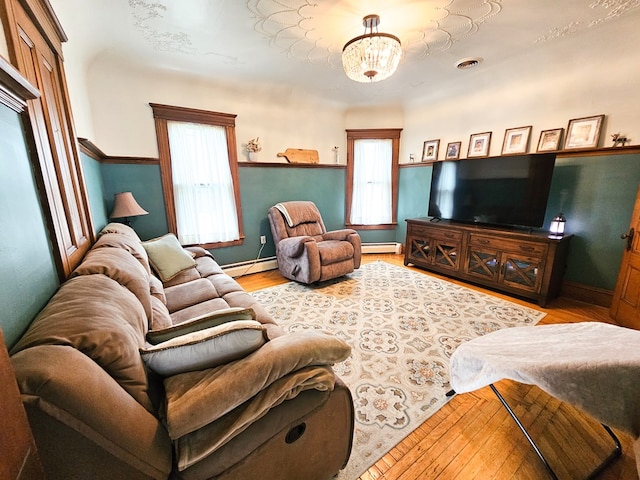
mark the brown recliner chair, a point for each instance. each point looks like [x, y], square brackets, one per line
[306, 252]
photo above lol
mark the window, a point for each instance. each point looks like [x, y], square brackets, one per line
[198, 164]
[372, 178]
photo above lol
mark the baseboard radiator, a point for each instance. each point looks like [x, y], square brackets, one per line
[250, 266]
[385, 247]
[270, 263]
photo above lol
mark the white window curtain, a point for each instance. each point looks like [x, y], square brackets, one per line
[202, 184]
[372, 168]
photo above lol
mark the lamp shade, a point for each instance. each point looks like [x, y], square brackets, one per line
[124, 205]
[373, 56]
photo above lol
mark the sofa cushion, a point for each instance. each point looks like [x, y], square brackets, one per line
[109, 332]
[122, 267]
[188, 294]
[125, 242]
[156, 289]
[167, 256]
[205, 348]
[161, 318]
[201, 322]
[334, 251]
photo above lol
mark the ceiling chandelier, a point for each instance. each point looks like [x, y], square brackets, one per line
[373, 56]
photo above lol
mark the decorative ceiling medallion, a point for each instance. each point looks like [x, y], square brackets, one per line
[145, 14]
[601, 11]
[316, 32]
[153, 20]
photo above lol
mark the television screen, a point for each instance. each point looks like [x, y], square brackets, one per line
[504, 191]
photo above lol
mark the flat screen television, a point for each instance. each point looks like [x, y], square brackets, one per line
[502, 191]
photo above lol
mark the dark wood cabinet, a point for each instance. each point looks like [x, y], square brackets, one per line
[522, 263]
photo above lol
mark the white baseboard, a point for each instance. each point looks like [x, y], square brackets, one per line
[386, 247]
[251, 266]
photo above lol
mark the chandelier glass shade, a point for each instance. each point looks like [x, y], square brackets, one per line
[371, 57]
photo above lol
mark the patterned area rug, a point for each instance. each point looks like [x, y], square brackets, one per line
[402, 326]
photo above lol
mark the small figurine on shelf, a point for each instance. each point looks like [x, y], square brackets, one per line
[253, 147]
[618, 140]
[336, 154]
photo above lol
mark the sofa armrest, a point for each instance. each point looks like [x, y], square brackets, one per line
[66, 388]
[342, 234]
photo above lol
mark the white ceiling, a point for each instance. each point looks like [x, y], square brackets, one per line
[296, 44]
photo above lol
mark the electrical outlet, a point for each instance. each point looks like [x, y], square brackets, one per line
[263, 239]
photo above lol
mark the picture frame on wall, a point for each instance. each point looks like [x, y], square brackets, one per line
[516, 140]
[430, 150]
[584, 132]
[479, 145]
[550, 140]
[453, 151]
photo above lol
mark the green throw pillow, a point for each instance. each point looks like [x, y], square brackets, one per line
[167, 256]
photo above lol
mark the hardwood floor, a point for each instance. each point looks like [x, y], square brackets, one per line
[473, 436]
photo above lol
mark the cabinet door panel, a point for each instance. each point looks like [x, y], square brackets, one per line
[483, 264]
[522, 272]
[446, 255]
[418, 249]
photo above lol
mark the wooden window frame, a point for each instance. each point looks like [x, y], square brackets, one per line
[392, 134]
[164, 113]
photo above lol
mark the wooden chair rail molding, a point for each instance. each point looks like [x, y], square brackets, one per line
[88, 148]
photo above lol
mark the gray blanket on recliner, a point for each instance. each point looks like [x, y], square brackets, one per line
[594, 366]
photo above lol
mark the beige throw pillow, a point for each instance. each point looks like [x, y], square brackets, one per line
[167, 256]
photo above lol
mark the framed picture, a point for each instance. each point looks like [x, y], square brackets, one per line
[453, 151]
[584, 132]
[479, 145]
[550, 140]
[516, 140]
[430, 151]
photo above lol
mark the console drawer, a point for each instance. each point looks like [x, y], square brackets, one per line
[525, 248]
[437, 233]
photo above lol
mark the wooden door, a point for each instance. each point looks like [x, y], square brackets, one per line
[19, 459]
[625, 308]
[36, 50]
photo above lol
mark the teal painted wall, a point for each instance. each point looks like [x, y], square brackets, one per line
[263, 187]
[95, 190]
[413, 198]
[596, 195]
[28, 276]
[144, 182]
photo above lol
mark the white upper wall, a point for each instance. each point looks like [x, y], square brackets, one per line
[111, 102]
[123, 121]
